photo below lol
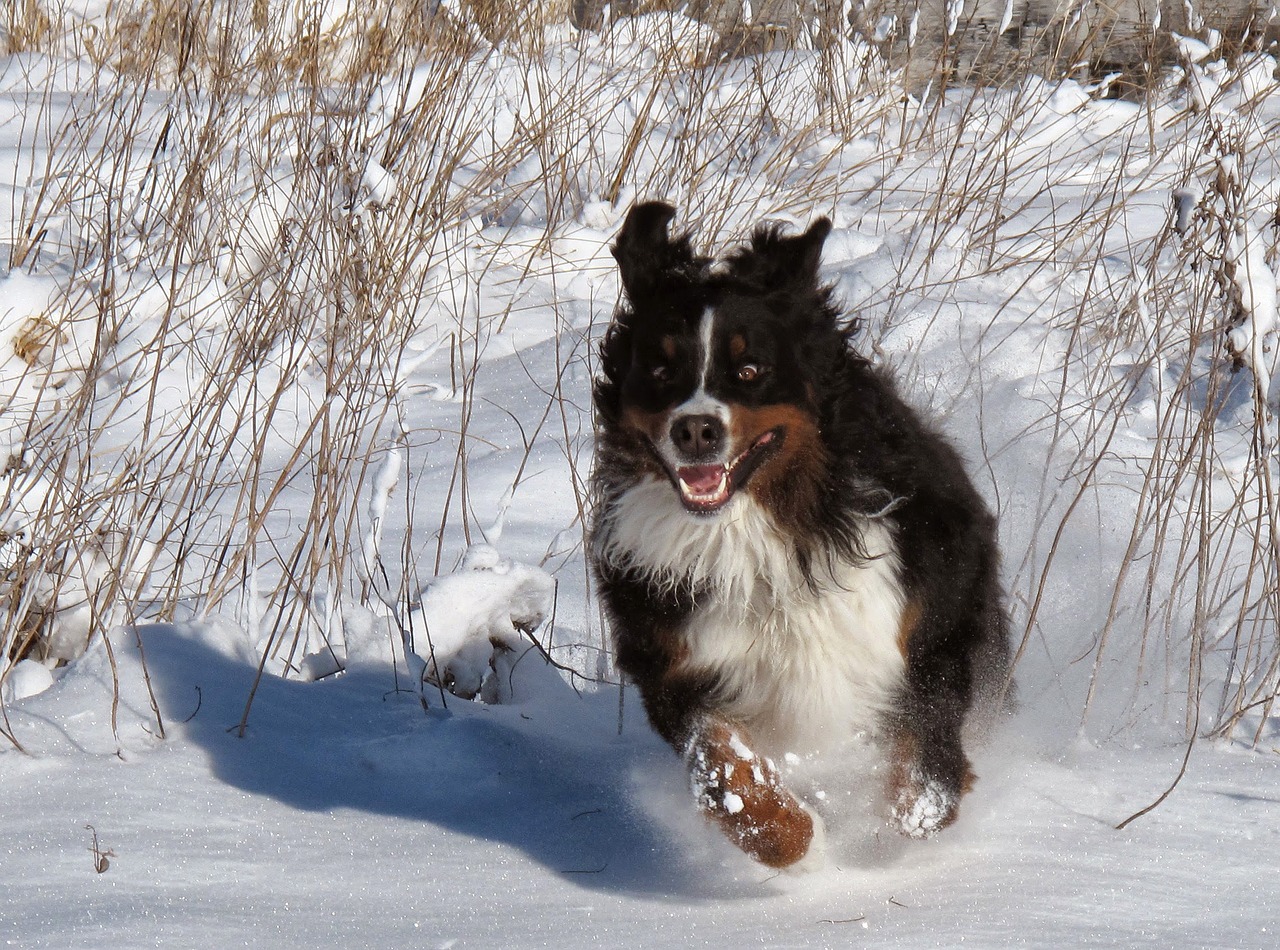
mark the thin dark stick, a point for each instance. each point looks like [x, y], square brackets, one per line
[1166, 793]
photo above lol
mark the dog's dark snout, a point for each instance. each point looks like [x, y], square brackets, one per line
[697, 437]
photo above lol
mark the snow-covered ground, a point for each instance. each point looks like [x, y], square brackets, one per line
[348, 816]
[294, 424]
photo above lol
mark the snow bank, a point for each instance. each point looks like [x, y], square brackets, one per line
[470, 630]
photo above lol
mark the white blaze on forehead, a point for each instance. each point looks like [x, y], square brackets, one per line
[701, 403]
[705, 330]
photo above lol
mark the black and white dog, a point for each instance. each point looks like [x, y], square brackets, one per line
[786, 552]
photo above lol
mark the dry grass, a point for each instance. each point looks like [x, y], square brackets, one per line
[225, 182]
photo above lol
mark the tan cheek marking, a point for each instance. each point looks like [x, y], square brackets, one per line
[747, 425]
[648, 424]
[791, 477]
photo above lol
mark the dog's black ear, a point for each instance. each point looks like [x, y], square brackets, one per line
[806, 250]
[773, 261]
[795, 259]
[645, 251]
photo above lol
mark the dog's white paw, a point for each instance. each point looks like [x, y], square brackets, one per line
[923, 807]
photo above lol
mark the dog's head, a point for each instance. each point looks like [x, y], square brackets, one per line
[714, 371]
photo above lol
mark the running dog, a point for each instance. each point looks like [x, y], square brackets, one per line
[786, 552]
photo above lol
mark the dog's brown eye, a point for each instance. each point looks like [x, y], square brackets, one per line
[661, 373]
[748, 372]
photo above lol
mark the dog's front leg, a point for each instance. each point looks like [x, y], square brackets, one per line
[743, 793]
[734, 785]
[929, 771]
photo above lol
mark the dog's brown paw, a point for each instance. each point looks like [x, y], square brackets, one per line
[743, 792]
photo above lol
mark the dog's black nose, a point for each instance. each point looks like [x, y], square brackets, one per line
[697, 437]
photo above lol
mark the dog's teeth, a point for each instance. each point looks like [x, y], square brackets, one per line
[688, 490]
[721, 490]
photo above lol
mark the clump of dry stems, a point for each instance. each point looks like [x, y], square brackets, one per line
[230, 159]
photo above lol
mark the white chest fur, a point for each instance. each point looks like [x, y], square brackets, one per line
[803, 666]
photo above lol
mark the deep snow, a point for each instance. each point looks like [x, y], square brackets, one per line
[1017, 263]
[350, 816]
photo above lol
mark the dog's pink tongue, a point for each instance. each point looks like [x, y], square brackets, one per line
[702, 479]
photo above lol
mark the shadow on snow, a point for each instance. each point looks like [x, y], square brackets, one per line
[550, 778]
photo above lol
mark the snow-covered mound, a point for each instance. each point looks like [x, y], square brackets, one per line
[470, 631]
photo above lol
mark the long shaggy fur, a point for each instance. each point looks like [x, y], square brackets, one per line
[787, 553]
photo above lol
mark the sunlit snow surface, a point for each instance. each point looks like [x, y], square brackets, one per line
[348, 816]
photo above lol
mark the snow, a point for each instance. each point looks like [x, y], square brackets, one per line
[26, 678]
[463, 622]
[281, 522]
[347, 815]
[740, 749]
[1256, 283]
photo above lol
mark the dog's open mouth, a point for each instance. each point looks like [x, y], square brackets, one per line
[707, 488]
